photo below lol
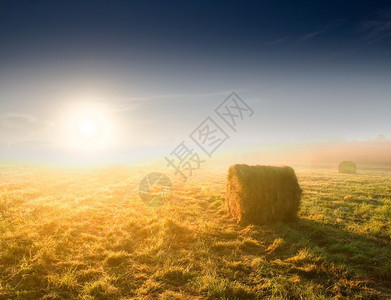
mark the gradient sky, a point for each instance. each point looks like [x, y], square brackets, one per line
[308, 69]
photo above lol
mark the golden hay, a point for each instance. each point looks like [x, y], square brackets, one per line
[263, 194]
[347, 167]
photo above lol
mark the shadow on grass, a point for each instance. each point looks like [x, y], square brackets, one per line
[326, 254]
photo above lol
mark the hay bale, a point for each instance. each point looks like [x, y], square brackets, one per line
[347, 167]
[263, 194]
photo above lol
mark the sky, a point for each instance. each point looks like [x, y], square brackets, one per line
[155, 70]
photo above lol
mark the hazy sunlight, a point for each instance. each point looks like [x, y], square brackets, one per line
[88, 127]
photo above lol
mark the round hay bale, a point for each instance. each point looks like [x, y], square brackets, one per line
[263, 194]
[347, 167]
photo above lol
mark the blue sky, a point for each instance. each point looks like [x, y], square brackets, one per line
[307, 68]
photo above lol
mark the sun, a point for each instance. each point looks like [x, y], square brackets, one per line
[89, 127]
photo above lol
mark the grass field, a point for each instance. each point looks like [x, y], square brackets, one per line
[84, 234]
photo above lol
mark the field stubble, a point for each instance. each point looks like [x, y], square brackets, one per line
[84, 234]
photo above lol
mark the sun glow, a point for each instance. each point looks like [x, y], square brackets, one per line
[89, 127]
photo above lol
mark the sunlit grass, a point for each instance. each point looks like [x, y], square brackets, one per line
[84, 234]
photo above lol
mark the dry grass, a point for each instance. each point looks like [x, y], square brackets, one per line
[84, 234]
[262, 194]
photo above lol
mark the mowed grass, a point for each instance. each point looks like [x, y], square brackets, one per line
[84, 234]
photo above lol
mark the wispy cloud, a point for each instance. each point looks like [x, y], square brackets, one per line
[171, 96]
[335, 54]
[376, 30]
[277, 41]
[16, 121]
[127, 104]
[311, 35]
[21, 121]
[16, 127]
[302, 39]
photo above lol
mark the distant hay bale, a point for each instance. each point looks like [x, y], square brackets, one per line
[263, 194]
[347, 167]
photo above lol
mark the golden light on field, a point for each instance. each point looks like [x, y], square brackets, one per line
[88, 127]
